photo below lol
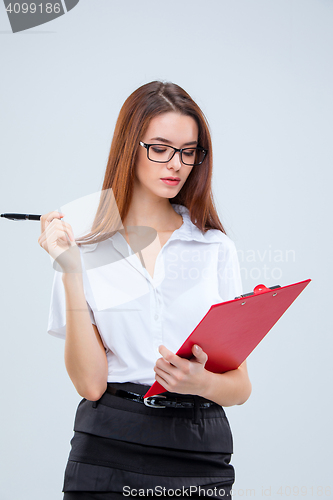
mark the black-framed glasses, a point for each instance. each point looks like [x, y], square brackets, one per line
[160, 153]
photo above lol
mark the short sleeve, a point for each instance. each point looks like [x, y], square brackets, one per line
[57, 313]
[229, 276]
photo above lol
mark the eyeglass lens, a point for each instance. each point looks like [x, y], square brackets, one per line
[189, 156]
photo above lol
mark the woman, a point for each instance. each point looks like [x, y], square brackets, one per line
[129, 293]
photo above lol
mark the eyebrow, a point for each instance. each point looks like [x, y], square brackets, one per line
[161, 139]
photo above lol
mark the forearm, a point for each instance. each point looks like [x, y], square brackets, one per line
[85, 361]
[229, 388]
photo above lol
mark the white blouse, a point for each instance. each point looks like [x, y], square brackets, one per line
[135, 313]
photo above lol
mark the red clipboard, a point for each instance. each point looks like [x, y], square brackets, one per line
[231, 330]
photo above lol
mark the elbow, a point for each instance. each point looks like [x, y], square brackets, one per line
[246, 394]
[92, 393]
[94, 396]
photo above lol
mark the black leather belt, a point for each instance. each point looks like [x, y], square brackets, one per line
[181, 401]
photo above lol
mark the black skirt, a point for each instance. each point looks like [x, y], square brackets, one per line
[122, 448]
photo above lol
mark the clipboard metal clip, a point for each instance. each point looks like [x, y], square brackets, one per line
[257, 290]
[154, 401]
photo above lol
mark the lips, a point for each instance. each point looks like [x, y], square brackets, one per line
[171, 181]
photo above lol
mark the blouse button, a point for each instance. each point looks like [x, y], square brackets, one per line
[156, 316]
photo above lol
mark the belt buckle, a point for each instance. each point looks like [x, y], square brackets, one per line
[148, 401]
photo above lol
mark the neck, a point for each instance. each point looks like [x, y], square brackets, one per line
[153, 212]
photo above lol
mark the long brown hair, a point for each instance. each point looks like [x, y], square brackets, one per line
[140, 107]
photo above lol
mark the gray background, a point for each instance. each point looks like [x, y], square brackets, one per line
[262, 72]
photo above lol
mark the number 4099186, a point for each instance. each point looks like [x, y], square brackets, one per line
[31, 8]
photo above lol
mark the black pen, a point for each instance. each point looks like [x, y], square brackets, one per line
[21, 216]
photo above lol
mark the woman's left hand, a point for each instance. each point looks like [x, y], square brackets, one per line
[181, 375]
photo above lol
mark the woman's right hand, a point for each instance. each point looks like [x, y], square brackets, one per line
[58, 240]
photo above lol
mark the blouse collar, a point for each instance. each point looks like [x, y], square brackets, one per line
[187, 231]
[190, 232]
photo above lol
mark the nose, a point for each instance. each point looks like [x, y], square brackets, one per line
[175, 162]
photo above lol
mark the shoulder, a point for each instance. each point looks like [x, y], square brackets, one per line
[220, 237]
[227, 251]
[211, 236]
[191, 232]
